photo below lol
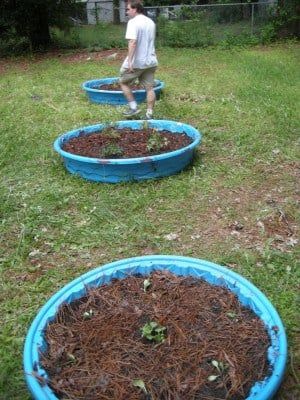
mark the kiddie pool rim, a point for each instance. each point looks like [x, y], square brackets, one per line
[180, 265]
[160, 85]
[122, 124]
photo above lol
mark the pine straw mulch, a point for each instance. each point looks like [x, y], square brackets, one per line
[115, 86]
[96, 350]
[126, 143]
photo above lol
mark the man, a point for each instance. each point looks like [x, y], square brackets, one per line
[141, 61]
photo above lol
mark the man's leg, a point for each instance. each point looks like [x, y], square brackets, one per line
[147, 80]
[150, 101]
[125, 79]
[127, 92]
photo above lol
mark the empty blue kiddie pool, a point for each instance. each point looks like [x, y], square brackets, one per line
[247, 294]
[115, 170]
[115, 97]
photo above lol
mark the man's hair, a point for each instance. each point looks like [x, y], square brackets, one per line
[137, 4]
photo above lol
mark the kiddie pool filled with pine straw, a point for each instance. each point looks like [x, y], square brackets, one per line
[97, 91]
[137, 166]
[171, 328]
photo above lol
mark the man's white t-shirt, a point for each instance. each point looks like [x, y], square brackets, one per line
[142, 29]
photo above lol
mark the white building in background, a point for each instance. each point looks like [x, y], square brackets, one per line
[102, 10]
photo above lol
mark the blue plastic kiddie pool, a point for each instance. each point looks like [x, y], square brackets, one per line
[214, 274]
[130, 169]
[116, 97]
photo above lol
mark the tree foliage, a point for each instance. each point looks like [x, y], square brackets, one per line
[31, 19]
[287, 19]
[116, 13]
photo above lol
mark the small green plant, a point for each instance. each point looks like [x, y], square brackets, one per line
[156, 142]
[221, 368]
[147, 284]
[140, 384]
[111, 150]
[111, 132]
[219, 365]
[71, 358]
[233, 316]
[154, 332]
[88, 314]
[145, 125]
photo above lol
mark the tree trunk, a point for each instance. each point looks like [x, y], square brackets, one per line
[39, 33]
[116, 12]
[36, 28]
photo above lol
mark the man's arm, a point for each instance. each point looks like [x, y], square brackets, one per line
[131, 51]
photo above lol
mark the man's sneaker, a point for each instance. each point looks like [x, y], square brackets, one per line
[149, 115]
[131, 112]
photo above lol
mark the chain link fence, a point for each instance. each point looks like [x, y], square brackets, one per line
[194, 25]
[250, 16]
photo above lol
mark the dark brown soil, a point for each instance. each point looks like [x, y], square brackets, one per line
[126, 143]
[214, 348]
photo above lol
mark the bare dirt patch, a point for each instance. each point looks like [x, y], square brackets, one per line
[245, 217]
[113, 54]
[23, 63]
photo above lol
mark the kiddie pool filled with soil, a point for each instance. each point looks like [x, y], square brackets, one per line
[156, 327]
[107, 91]
[128, 150]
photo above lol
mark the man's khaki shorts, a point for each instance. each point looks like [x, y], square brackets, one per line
[145, 76]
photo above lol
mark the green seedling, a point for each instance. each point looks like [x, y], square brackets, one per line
[71, 358]
[231, 315]
[212, 378]
[156, 142]
[154, 332]
[147, 284]
[140, 384]
[221, 367]
[111, 150]
[145, 125]
[88, 314]
[111, 132]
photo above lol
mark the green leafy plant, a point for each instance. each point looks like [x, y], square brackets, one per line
[88, 314]
[233, 316]
[145, 124]
[147, 284]
[156, 142]
[111, 132]
[220, 367]
[154, 332]
[111, 150]
[140, 384]
[71, 358]
[188, 33]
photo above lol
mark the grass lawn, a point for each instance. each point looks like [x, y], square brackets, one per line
[236, 205]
